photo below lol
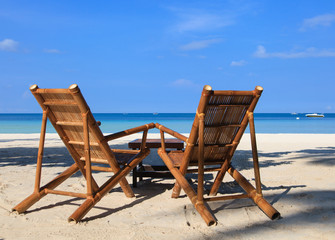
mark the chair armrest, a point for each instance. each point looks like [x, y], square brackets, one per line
[127, 132]
[171, 132]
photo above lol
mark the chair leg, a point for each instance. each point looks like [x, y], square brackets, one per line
[255, 153]
[183, 169]
[225, 166]
[218, 179]
[40, 151]
[36, 196]
[258, 199]
[203, 210]
[126, 188]
[135, 177]
[29, 201]
[220, 175]
[176, 190]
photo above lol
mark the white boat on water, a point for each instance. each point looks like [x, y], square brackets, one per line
[314, 115]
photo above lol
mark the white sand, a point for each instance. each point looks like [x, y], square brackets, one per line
[298, 177]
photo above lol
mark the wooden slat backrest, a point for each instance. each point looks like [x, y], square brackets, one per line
[225, 120]
[66, 108]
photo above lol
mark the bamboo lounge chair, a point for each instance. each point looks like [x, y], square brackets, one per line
[71, 117]
[220, 121]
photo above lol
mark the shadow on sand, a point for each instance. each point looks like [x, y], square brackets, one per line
[59, 157]
[301, 211]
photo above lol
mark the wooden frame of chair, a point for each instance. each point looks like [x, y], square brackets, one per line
[71, 117]
[214, 135]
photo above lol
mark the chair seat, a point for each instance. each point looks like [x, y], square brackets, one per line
[124, 155]
[177, 158]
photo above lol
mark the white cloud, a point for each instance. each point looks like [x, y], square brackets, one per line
[199, 20]
[321, 20]
[238, 63]
[8, 45]
[51, 51]
[307, 53]
[195, 45]
[196, 22]
[260, 52]
[183, 83]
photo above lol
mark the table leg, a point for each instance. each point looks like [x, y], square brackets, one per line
[135, 177]
[140, 168]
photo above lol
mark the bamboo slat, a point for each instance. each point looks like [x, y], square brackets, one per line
[227, 105]
[64, 123]
[233, 93]
[96, 160]
[228, 197]
[48, 90]
[126, 151]
[82, 143]
[207, 169]
[59, 103]
[101, 169]
[223, 126]
[65, 193]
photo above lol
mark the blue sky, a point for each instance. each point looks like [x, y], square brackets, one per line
[155, 56]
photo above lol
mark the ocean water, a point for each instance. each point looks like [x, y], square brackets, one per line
[180, 122]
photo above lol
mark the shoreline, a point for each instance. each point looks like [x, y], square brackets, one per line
[297, 172]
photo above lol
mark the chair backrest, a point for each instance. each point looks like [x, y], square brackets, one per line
[225, 115]
[68, 112]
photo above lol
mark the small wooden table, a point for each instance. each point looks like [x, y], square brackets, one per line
[153, 171]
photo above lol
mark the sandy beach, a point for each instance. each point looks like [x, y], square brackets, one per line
[297, 172]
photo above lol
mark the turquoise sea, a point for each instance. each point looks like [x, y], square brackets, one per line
[181, 122]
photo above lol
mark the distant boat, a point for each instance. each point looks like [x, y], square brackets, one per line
[155, 113]
[294, 113]
[315, 115]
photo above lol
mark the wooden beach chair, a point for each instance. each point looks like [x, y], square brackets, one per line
[220, 121]
[71, 117]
